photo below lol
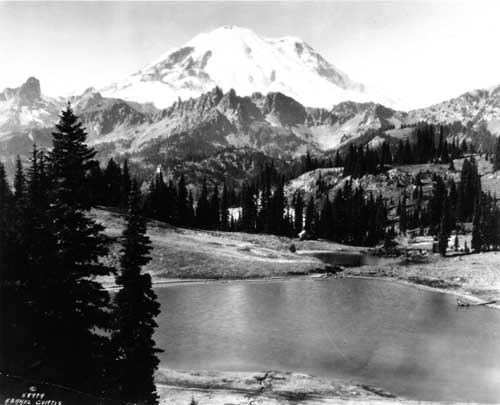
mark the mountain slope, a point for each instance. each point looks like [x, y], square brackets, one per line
[236, 58]
[210, 132]
[25, 109]
[273, 123]
[479, 107]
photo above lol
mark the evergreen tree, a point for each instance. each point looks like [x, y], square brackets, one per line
[299, 216]
[97, 185]
[78, 304]
[443, 235]
[202, 208]
[125, 184]
[38, 252]
[136, 307]
[214, 209]
[325, 220]
[9, 298]
[309, 220]
[183, 202]
[469, 190]
[248, 209]
[308, 164]
[190, 218]
[496, 158]
[403, 219]
[224, 209]
[477, 239]
[278, 222]
[171, 204]
[113, 183]
[439, 195]
[338, 160]
[19, 183]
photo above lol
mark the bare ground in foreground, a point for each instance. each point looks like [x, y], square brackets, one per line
[270, 388]
[208, 387]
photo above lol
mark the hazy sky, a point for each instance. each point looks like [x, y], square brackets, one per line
[418, 51]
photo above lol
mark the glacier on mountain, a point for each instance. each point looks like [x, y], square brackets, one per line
[236, 58]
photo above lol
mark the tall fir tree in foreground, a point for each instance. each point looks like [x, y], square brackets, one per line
[9, 299]
[136, 308]
[79, 307]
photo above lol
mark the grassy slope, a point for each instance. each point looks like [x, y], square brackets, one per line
[190, 253]
[194, 254]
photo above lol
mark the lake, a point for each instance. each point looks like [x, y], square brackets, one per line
[413, 343]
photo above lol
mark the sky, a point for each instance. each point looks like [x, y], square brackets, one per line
[417, 52]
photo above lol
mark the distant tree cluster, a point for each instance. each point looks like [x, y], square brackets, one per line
[352, 217]
[431, 146]
[486, 224]
[58, 324]
[109, 186]
[449, 206]
[264, 207]
[496, 156]
[174, 203]
[361, 160]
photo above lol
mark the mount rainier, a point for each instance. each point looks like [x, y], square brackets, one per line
[236, 58]
[231, 92]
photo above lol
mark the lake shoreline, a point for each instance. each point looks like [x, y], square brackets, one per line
[219, 387]
[270, 387]
[458, 294]
[320, 276]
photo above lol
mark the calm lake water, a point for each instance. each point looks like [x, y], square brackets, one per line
[415, 344]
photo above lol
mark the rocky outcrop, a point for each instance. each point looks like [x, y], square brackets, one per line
[30, 92]
[285, 109]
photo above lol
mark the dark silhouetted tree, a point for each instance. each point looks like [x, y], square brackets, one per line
[136, 309]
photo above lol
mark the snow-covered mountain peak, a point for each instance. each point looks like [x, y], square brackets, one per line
[238, 58]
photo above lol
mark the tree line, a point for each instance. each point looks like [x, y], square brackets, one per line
[349, 216]
[361, 160]
[58, 324]
[450, 206]
[430, 146]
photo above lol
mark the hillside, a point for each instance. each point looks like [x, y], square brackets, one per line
[180, 253]
[393, 183]
[480, 108]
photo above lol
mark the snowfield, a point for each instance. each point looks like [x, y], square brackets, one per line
[236, 58]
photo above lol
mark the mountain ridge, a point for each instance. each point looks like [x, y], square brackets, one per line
[273, 124]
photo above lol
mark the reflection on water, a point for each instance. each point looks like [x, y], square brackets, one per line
[413, 343]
